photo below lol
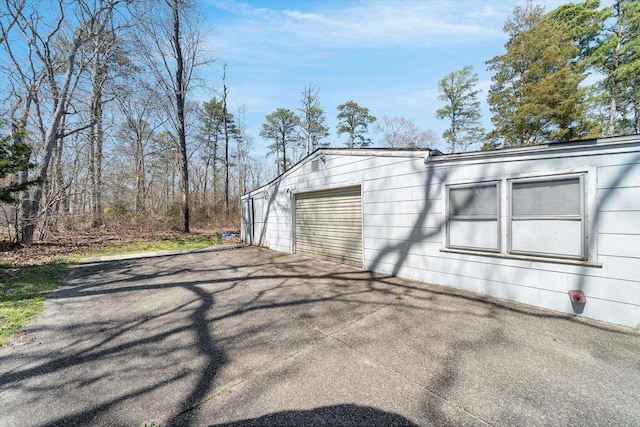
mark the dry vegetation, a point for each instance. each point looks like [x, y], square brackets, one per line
[99, 240]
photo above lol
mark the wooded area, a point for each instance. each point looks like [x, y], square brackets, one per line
[99, 122]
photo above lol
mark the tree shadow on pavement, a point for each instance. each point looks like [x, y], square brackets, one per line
[338, 416]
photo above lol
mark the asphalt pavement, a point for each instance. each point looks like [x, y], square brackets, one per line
[241, 336]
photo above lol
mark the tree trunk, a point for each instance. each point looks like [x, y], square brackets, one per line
[612, 109]
[284, 153]
[96, 132]
[180, 101]
[308, 139]
[226, 142]
[61, 199]
[214, 172]
[97, 192]
[636, 106]
[140, 171]
[31, 203]
[205, 186]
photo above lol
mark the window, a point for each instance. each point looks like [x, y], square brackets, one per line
[520, 216]
[547, 217]
[473, 217]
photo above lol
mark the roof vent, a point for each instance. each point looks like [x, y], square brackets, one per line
[315, 165]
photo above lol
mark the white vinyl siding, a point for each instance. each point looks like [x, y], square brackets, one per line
[404, 221]
[547, 217]
[473, 221]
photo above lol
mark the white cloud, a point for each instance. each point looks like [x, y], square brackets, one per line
[386, 55]
[258, 31]
[421, 97]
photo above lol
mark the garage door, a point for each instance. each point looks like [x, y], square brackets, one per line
[329, 225]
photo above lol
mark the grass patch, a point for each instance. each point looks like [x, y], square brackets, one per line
[24, 288]
[161, 244]
[22, 291]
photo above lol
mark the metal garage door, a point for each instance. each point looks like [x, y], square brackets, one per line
[329, 225]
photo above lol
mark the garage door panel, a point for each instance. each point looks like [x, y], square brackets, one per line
[321, 242]
[331, 253]
[337, 222]
[329, 225]
[328, 234]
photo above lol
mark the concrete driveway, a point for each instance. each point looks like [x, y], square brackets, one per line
[249, 337]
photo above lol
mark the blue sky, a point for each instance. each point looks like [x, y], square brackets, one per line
[387, 56]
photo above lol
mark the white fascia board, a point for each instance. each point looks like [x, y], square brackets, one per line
[608, 145]
[255, 191]
[420, 153]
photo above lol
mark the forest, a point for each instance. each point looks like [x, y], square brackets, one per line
[100, 123]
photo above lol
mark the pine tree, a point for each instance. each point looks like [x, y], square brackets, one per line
[14, 161]
[281, 126]
[462, 109]
[535, 94]
[354, 120]
[617, 56]
[212, 134]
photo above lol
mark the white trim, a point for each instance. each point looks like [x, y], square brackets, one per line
[588, 183]
[525, 257]
[547, 151]
[581, 177]
[446, 194]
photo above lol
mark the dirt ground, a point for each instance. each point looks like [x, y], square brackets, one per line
[93, 240]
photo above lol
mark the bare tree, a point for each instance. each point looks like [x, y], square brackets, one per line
[244, 164]
[399, 132]
[48, 69]
[312, 125]
[140, 123]
[104, 53]
[225, 126]
[172, 32]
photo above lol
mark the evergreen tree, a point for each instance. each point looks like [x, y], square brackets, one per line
[584, 23]
[354, 120]
[462, 109]
[14, 161]
[212, 120]
[281, 127]
[535, 94]
[617, 56]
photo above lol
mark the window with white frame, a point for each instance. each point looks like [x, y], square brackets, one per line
[473, 216]
[547, 216]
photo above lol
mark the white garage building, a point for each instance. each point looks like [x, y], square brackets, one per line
[529, 224]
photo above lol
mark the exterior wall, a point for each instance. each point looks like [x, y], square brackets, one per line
[404, 222]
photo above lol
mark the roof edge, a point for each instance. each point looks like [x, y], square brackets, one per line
[552, 147]
[419, 153]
